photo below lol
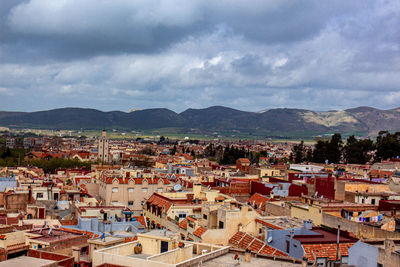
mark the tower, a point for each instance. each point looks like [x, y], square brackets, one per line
[103, 147]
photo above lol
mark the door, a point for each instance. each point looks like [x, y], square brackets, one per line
[164, 246]
[41, 213]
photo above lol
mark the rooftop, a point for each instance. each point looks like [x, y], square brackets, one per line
[228, 260]
[26, 261]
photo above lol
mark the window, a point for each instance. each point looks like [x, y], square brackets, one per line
[373, 201]
[130, 203]
[144, 189]
[287, 246]
[182, 215]
[115, 189]
[221, 225]
[159, 190]
[39, 195]
[130, 190]
[345, 259]
[204, 216]
[321, 261]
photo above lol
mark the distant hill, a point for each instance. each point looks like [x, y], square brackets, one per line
[282, 121]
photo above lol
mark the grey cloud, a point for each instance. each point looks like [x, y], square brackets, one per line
[247, 55]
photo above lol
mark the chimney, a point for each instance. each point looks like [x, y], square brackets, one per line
[307, 224]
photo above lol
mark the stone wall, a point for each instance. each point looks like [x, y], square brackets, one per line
[360, 230]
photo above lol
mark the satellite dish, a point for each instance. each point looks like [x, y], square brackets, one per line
[177, 187]
[269, 240]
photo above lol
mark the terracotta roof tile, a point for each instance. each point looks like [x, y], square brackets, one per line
[258, 199]
[199, 231]
[325, 250]
[141, 219]
[235, 239]
[246, 241]
[183, 224]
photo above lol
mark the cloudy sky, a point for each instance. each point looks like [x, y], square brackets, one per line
[249, 55]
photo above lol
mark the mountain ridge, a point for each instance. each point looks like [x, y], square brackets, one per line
[367, 120]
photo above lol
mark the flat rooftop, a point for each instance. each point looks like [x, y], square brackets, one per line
[107, 240]
[26, 261]
[55, 235]
[227, 260]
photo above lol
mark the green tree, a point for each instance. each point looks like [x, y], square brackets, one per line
[173, 151]
[357, 151]
[298, 152]
[328, 150]
[387, 145]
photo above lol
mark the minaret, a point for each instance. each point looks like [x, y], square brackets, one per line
[103, 148]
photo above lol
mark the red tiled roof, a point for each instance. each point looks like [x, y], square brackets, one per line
[183, 224]
[199, 231]
[17, 246]
[159, 201]
[244, 160]
[258, 200]
[130, 239]
[141, 219]
[246, 241]
[326, 250]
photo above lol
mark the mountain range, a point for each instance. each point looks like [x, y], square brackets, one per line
[272, 122]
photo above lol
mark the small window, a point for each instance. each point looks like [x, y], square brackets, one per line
[130, 190]
[373, 201]
[115, 189]
[221, 225]
[130, 203]
[39, 195]
[204, 216]
[159, 190]
[144, 189]
[182, 215]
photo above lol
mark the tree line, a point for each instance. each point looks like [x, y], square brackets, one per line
[353, 151]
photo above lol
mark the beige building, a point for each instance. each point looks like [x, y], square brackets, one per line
[130, 192]
[158, 248]
[221, 222]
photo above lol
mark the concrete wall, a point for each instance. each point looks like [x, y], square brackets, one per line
[363, 255]
[216, 236]
[12, 239]
[359, 229]
[311, 213]
[277, 210]
[174, 256]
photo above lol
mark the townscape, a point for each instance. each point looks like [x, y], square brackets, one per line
[162, 202]
[201, 133]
